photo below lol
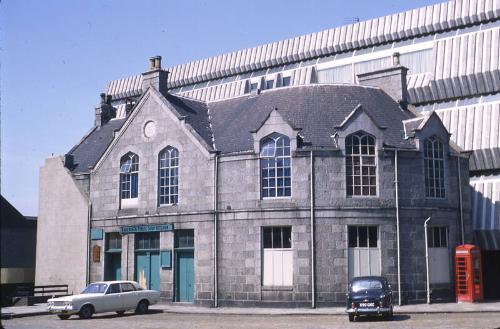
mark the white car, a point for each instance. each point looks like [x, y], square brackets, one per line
[107, 296]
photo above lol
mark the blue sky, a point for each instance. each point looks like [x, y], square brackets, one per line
[57, 56]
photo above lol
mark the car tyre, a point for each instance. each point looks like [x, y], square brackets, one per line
[63, 316]
[351, 317]
[142, 307]
[86, 312]
[120, 312]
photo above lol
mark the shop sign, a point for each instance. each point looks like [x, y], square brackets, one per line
[146, 228]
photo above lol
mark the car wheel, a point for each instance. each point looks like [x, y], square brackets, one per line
[86, 312]
[63, 316]
[120, 312]
[351, 317]
[142, 307]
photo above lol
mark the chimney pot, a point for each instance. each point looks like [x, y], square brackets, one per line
[108, 99]
[103, 98]
[158, 62]
[395, 59]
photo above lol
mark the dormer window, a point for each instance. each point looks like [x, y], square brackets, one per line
[361, 167]
[254, 86]
[434, 168]
[269, 84]
[129, 179]
[275, 166]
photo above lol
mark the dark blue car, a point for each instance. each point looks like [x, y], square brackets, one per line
[369, 295]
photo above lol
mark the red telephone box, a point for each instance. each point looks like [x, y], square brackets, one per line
[468, 273]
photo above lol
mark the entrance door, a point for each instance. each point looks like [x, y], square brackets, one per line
[113, 266]
[147, 269]
[185, 276]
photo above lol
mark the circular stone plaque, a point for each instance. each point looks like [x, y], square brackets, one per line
[149, 129]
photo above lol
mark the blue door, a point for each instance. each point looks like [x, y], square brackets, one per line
[185, 276]
[147, 269]
[113, 266]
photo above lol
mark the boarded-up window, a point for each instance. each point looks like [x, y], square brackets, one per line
[278, 256]
[439, 255]
[364, 251]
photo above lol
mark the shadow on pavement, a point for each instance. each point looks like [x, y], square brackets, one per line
[396, 317]
[113, 315]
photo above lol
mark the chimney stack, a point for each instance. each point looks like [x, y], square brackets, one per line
[392, 80]
[156, 77]
[104, 112]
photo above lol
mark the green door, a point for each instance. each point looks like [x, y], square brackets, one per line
[185, 276]
[113, 266]
[147, 269]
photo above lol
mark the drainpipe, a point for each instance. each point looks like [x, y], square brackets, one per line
[87, 267]
[397, 223]
[313, 270]
[216, 301]
[427, 262]
[460, 198]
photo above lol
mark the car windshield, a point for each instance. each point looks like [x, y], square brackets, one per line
[367, 284]
[95, 288]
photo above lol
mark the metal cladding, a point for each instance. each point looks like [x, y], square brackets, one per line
[486, 211]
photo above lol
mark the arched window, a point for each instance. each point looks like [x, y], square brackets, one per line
[361, 167]
[129, 176]
[168, 176]
[275, 166]
[434, 168]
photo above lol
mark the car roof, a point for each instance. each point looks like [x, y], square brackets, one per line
[380, 278]
[116, 281]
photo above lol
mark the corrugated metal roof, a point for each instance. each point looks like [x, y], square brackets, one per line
[486, 211]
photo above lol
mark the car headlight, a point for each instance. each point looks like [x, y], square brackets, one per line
[50, 304]
[68, 303]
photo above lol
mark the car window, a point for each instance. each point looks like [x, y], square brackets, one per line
[126, 287]
[359, 285]
[95, 288]
[114, 288]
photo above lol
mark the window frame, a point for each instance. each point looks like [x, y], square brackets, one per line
[439, 182]
[169, 170]
[265, 164]
[361, 159]
[443, 232]
[130, 178]
[277, 251]
[368, 239]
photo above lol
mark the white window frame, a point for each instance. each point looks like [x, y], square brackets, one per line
[363, 158]
[266, 158]
[168, 172]
[129, 170]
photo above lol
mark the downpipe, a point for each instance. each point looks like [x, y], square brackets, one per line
[427, 261]
[396, 184]
[313, 269]
[216, 297]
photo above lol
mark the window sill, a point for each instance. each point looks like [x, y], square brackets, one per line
[277, 288]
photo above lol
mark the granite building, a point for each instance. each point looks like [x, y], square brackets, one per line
[272, 175]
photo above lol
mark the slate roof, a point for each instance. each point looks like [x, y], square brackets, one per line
[91, 147]
[195, 113]
[227, 125]
[314, 109]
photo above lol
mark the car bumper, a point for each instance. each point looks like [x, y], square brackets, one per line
[62, 310]
[368, 311]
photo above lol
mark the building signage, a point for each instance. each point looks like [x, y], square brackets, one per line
[146, 228]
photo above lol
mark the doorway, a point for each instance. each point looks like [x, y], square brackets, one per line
[184, 266]
[147, 260]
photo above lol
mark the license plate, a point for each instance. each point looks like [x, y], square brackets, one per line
[366, 304]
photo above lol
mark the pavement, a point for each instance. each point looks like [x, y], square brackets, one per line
[41, 309]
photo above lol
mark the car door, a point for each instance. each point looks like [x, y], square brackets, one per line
[129, 295]
[112, 299]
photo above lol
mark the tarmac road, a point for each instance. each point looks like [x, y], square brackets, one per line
[158, 319]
